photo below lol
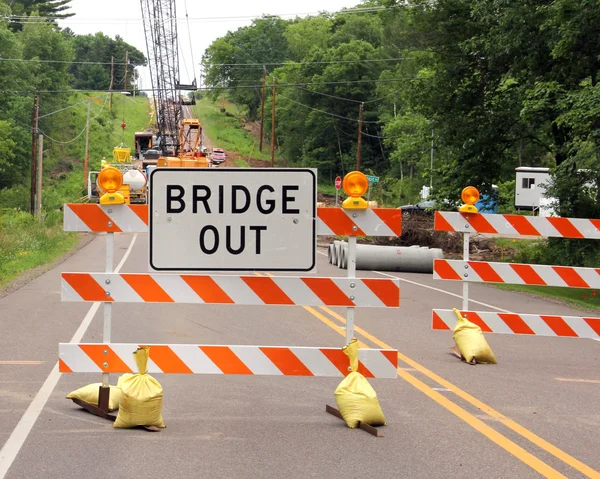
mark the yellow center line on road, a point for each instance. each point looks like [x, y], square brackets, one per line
[526, 433]
[474, 422]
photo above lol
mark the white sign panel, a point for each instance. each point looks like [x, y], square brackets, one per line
[236, 219]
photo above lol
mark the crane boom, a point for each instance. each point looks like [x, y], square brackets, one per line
[160, 28]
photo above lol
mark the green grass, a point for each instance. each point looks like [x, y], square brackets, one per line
[135, 112]
[515, 250]
[26, 243]
[573, 296]
[226, 131]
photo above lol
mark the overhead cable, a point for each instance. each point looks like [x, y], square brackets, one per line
[323, 111]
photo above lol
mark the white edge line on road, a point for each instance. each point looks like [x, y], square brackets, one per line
[444, 291]
[20, 433]
[437, 289]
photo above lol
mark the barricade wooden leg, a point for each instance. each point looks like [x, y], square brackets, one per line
[101, 410]
[103, 398]
[365, 427]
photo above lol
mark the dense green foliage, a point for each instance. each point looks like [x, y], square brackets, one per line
[37, 59]
[98, 49]
[497, 83]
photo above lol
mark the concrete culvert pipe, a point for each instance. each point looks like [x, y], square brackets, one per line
[413, 259]
[342, 256]
[338, 246]
[335, 251]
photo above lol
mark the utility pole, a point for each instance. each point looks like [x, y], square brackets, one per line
[126, 64]
[360, 120]
[262, 107]
[112, 76]
[87, 139]
[273, 123]
[34, 132]
[39, 175]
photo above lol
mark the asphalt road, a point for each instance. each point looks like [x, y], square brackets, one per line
[535, 413]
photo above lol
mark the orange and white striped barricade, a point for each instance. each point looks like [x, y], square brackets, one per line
[175, 286]
[216, 359]
[94, 218]
[527, 324]
[515, 273]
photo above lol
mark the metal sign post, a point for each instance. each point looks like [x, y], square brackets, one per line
[104, 393]
[229, 220]
[338, 185]
[466, 247]
[372, 179]
[351, 275]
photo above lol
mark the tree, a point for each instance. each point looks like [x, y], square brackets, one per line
[97, 50]
[261, 43]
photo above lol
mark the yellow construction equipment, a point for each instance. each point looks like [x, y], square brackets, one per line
[190, 154]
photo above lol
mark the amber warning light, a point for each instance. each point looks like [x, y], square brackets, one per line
[355, 186]
[470, 196]
[110, 180]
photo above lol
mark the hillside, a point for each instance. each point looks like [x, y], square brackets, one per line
[26, 242]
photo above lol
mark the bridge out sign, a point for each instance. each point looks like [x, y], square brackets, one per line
[233, 219]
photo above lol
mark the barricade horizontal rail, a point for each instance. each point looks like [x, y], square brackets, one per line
[516, 273]
[215, 359]
[230, 289]
[526, 324]
[517, 225]
[134, 219]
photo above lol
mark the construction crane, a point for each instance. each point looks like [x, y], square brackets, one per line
[160, 28]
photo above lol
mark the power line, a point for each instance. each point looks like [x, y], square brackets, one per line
[348, 99]
[324, 62]
[347, 82]
[325, 112]
[30, 19]
[37, 60]
[190, 38]
[81, 132]
[252, 65]
[66, 108]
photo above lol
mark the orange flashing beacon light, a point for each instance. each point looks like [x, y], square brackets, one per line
[110, 179]
[470, 196]
[355, 185]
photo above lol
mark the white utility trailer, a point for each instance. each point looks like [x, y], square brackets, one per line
[530, 188]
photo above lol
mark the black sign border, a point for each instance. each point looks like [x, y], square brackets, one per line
[237, 170]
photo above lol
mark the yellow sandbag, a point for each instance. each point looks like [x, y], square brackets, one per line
[470, 342]
[123, 378]
[356, 399]
[141, 401]
[89, 394]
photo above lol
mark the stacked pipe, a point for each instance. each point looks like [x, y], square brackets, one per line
[409, 259]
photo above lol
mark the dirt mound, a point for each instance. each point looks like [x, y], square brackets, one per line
[418, 230]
